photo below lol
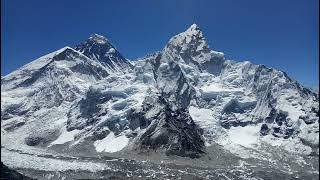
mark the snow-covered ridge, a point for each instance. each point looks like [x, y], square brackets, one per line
[38, 63]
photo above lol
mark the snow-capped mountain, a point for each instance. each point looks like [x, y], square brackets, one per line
[98, 48]
[43, 86]
[183, 100]
[61, 76]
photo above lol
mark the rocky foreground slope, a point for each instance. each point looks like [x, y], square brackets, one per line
[183, 100]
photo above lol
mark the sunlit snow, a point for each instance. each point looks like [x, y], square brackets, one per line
[111, 143]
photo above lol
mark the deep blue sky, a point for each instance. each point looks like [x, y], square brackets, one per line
[277, 33]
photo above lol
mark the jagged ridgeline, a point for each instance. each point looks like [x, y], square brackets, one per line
[179, 101]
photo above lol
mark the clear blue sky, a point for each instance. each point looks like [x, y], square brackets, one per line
[277, 33]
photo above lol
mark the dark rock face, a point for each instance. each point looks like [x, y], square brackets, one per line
[34, 141]
[228, 117]
[100, 133]
[281, 118]
[9, 174]
[312, 116]
[14, 110]
[183, 91]
[88, 105]
[271, 116]
[277, 123]
[41, 137]
[230, 121]
[308, 120]
[173, 132]
[264, 129]
[137, 119]
[232, 107]
[98, 48]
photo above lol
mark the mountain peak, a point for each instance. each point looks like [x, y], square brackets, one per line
[100, 49]
[193, 35]
[194, 27]
[190, 47]
[194, 30]
[189, 44]
[98, 38]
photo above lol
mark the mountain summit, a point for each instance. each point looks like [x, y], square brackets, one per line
[190, 47]
[191, 41]
[99, 48]
[98, 39]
